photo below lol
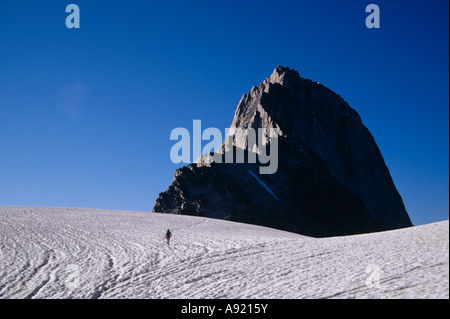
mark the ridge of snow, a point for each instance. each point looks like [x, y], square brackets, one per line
[264, 185]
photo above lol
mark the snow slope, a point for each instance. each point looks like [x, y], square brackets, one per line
[86, 253]
[264, 185]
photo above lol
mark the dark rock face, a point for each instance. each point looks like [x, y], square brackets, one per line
[331, 180]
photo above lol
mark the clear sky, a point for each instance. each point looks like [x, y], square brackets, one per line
[86, 114]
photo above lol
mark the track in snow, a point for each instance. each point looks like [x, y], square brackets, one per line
[86, 253]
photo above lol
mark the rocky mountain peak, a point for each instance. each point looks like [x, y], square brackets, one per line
[281, 74]
[332, 178]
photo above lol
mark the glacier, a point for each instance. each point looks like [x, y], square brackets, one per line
[90, 253]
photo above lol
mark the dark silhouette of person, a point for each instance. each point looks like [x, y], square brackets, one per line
[168, 236]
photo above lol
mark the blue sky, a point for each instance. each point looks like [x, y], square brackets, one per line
[86, 114]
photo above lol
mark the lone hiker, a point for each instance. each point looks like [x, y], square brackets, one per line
[168, 235]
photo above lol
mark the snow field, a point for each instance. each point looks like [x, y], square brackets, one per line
[87, 253]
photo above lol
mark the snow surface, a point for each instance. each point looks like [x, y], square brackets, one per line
[264, 185]
[86, 253]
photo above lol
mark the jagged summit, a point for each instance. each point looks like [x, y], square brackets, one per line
[280, 73]
[332, 178]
